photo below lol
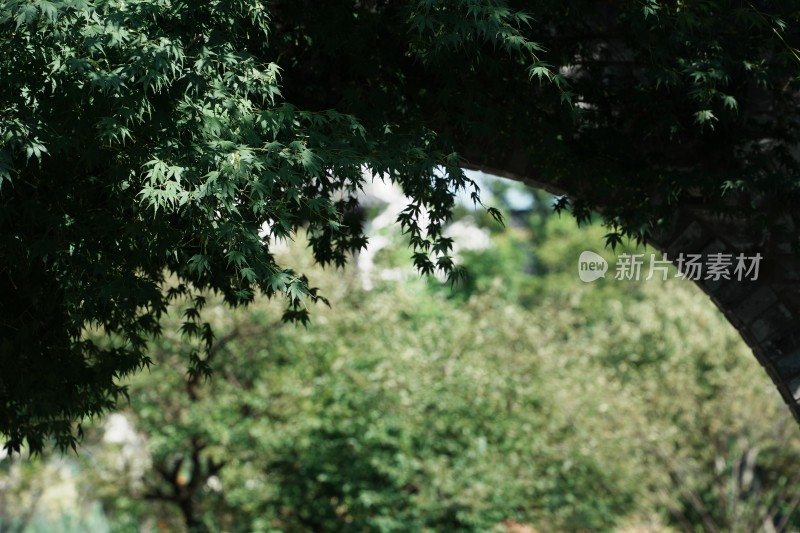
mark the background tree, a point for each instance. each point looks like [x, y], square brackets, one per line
[150, 150]
[625, 404]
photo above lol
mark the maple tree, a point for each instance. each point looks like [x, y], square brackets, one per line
[152, 150]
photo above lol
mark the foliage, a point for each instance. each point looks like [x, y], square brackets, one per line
[155, 149]
[321, 430]
[618, 401]
[532, 399]
[148, 139]
[42, 497]
[705, 429]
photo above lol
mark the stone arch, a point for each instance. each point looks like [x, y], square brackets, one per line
[765, 312]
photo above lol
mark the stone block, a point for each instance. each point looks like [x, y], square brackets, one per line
[712, 286]
[787, 341]
[716, 246]
[769, 324]
[691, 239]
[732, 292]
[788, 366]
[794, 388]
[788, 268]
[755, 304]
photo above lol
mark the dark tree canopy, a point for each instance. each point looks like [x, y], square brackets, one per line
[150, 149]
